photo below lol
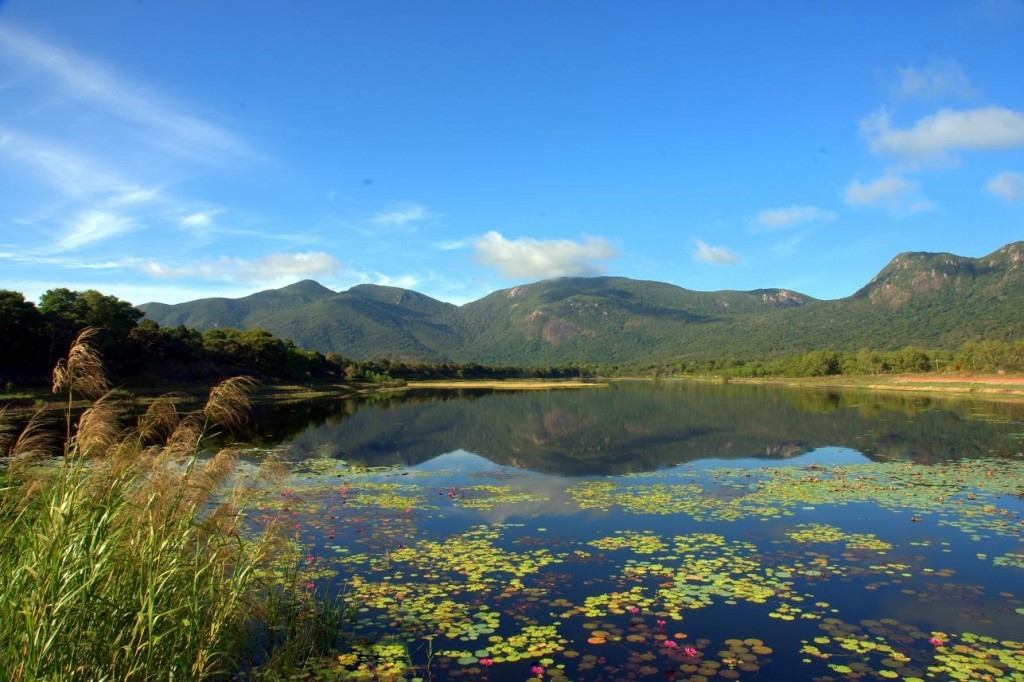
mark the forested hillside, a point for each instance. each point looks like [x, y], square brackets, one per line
[919, 299]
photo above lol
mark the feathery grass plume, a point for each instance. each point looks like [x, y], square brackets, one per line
[219, 467]
[82, 371]
[184, 440]
[158, 421]
[35, 444]
[99, 430]
[228, 404]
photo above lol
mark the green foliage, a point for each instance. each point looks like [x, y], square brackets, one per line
[21, 354]
[129, 560]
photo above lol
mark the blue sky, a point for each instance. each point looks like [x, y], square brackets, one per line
[167, 151]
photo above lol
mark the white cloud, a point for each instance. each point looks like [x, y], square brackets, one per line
[1008, 185]
[87, 81]
[92, 226]
[940, 79]
[197, 220]
[893, 192]
[283, 267]
[782, 218]
[876, 191]
[402, 214]
[454, 244]
[401, 281]
[542, 258]
[716, 255]
[945, 131]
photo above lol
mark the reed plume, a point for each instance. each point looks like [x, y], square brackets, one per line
[82, 372]
[228, 404]
[35, 444]
[99, 430]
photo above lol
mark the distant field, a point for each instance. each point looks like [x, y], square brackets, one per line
[994, 385]
[505, 385]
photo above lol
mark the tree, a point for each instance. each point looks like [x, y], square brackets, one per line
[69, 312]
[23, 341]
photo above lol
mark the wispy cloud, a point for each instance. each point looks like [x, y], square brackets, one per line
[784, 218]
[941, 79]
[893, 192]
[542, 258]
[454, 244]
[945, 131]
[1007, 185]
[402, 214]
[73, 175]
[91, 227]
[80, 78]
[271, 268]
[197, 220]
[715, 255]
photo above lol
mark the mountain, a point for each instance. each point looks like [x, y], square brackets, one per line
[926, 299]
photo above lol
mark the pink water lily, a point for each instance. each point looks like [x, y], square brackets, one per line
[670, 644]
[690, 650]
[935, 641]
[487, 662]
[537, 670]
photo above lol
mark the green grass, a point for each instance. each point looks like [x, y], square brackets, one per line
[130, 559]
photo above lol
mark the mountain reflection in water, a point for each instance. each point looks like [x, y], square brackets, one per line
[631, 427]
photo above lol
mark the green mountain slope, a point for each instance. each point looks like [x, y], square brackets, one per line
[925, 299]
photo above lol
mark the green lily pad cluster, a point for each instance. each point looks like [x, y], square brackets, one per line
[488, 497]
[825, 533]
[888, 649]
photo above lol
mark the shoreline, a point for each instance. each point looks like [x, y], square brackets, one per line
[989, 386]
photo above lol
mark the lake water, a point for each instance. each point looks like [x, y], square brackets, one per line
[661, 531]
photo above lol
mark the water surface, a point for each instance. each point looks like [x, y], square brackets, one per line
[661, 531]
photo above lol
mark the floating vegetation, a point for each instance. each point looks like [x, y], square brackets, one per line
[487, 497]
[824, 533]
[888, 649]
[635, 577]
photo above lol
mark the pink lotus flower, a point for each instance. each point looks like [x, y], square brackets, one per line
[690, 650]
[670, 644]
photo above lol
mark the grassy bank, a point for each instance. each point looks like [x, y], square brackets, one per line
[506, 384]
[132, 558]
[995, 386]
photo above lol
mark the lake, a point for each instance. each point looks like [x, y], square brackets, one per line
[659, 531]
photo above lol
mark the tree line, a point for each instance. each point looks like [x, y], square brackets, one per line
[978, 357]
[138, 351]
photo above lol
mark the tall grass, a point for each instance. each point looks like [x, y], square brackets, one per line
[130, 559]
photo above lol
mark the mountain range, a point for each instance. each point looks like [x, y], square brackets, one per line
[931, 300]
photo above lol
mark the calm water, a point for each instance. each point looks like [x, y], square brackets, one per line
[661, 531]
